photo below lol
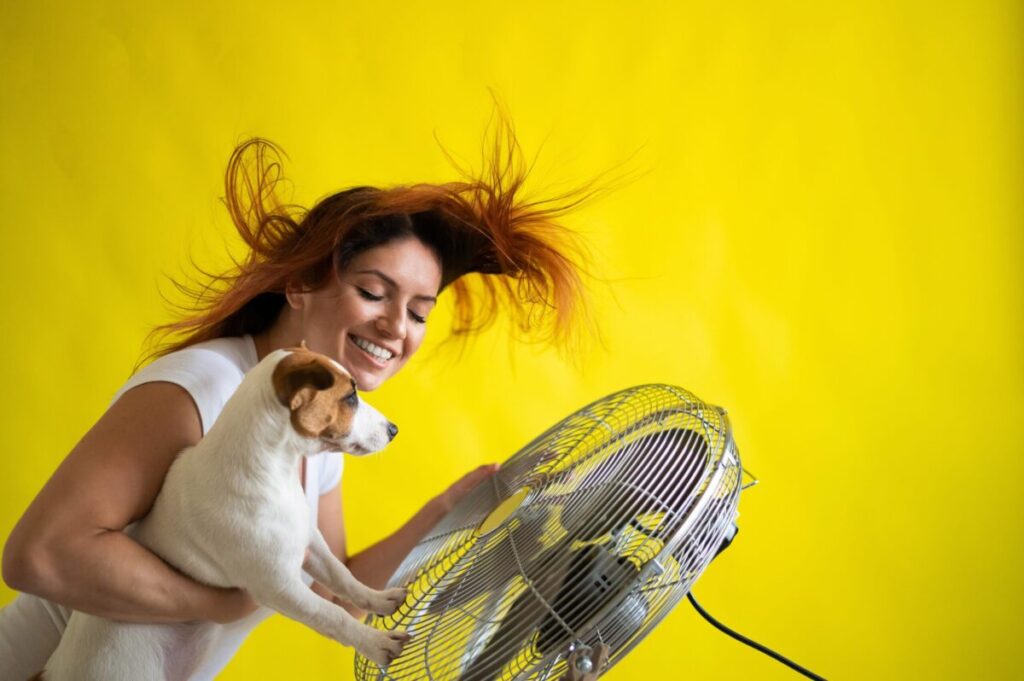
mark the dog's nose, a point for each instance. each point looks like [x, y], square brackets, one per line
[392, 431]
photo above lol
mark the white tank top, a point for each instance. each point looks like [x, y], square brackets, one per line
[30, 627]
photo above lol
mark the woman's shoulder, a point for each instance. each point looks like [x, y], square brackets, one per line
[239, 351]
[210, 371]
[231, 357]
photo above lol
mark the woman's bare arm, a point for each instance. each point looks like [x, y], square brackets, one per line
[375, 565]
[69, 547]
[331, 524]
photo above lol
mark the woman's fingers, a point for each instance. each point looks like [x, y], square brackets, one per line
[232, 605]
[467, 482]
[473, 478]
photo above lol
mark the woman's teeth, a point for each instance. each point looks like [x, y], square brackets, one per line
[375, 350]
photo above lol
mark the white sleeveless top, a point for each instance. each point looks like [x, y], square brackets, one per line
[30, 627]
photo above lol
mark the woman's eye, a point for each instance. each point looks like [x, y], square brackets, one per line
[416, 318]
[369, 296]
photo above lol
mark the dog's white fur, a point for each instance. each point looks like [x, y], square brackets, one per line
[231, 513]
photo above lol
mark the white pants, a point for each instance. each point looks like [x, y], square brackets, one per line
[30, 629]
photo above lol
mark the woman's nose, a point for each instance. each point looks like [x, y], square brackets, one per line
[392, 324]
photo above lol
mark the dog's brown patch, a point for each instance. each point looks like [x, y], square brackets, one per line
[315, 390]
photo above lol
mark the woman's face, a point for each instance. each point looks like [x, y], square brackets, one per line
[372, 316]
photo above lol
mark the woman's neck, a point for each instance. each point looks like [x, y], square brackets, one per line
[283, 333]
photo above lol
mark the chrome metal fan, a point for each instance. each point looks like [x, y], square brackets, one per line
[583, 541]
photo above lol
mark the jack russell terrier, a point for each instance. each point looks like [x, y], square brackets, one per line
[231, 514]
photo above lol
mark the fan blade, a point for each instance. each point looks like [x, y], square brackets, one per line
[494, 562]
[433, 571]
[515, 634]
[594, 579]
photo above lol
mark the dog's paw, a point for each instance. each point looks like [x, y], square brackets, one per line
[382, 602]
[383, 646]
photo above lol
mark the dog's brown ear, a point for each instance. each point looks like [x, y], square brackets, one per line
[298, 379]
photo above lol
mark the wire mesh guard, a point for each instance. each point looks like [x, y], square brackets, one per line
[588, 535]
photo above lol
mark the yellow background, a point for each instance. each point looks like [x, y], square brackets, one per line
[827, 240]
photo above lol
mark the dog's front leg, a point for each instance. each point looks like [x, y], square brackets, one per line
[299, 603]
[325, 568]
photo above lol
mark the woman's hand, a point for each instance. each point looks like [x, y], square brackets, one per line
[230, 605]
[448, 499]
[374, 565]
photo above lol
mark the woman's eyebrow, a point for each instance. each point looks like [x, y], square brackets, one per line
[394, 284]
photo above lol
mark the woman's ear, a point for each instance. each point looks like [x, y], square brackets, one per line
[294, 295]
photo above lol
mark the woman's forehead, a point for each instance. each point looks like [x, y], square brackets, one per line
[405, 263]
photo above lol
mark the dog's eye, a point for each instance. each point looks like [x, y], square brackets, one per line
[352, 400]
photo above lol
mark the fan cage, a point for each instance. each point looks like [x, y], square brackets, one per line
[624, 503]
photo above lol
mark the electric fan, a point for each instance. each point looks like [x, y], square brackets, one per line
[559, 564]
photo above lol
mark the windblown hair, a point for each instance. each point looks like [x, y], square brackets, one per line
[498, 250]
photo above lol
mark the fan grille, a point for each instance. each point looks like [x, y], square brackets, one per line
[614, 513]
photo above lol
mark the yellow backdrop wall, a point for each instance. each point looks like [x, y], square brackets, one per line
[827, 240]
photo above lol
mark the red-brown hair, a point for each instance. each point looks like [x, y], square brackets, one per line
[498, 250]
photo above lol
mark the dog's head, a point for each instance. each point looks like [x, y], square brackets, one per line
[323, 404]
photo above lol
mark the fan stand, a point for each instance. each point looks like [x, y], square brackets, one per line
[586, 664]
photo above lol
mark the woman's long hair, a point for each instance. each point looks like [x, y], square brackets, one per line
[499, 251]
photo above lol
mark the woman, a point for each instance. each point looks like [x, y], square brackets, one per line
[356, 277]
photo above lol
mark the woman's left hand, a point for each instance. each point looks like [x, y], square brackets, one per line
[461, 487]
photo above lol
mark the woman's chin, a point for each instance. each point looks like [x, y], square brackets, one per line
[366, 380]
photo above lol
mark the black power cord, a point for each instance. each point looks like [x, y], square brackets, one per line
[753, 644]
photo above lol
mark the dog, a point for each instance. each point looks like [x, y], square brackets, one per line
[232, 514]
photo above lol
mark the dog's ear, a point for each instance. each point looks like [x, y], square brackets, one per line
[298, 379]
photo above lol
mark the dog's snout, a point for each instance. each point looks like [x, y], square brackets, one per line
[370, 431]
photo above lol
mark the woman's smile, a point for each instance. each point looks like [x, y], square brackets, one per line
[374, 353]
[373, 314]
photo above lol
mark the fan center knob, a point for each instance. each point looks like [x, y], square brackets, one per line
[503, 510]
